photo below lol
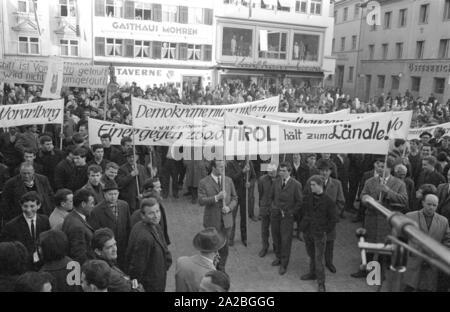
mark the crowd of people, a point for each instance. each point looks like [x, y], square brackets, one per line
[102, 206]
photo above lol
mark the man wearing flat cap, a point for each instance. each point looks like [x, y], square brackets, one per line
[190, 270]
[114, 214]
[127, 181]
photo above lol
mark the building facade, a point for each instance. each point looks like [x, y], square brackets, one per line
[345, 45]
[408, 51]
[274, 42]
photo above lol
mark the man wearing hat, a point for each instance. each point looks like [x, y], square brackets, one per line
[126, 179]
[190, 270]
[436, 141]
[114, 214]
[425, 137]
[332, 188]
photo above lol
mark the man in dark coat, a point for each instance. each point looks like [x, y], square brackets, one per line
[286, 195]
[148, 257]
[98, 157]
[7, 148]
[343, 165]
[24, 182]
[78, 231]
[114, 214]
[119, 156]
[108, 149]
[318, 221]
[93, 185]
[429, 175]
[129, 185]
[64, 169]
[26, 227]
[79, 174]
[48, 157]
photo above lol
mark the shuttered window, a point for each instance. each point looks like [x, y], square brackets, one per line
[157, 13]
[183, 14]
[129, 9]
[156, 49]
[99, 46]
[99, 7]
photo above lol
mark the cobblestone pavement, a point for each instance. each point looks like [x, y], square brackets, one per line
[249, 272]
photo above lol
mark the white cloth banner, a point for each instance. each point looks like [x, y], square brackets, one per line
[38, 113]
[399, 125]
[415, 133]
[172, 136]
[53, 80]
[248, 135]
[151, 114]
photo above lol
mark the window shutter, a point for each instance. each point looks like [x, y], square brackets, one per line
[129, 10]
[99, 7]
[207, 16]
[157, 12]
[182, 51]
[183, 14]
[206, 52]
[99, 46]
[156, 49]
[128, 48]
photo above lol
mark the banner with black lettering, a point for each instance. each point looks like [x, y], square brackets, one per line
[151, 114]
[248, 135]
[399, 125]
[415, 133]
[165, 136]
[38, 113]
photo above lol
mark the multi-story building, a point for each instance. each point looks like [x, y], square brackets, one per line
[409, 50]
[39, 29]
[155, 41]
[273, 42]
[345, 45]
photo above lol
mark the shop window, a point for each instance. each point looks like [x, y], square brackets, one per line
[236, 41]
[69, 47]
[439, 85]
[29, 45]
[276, 46]
[67, 8]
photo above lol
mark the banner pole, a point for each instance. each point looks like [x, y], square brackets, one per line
[224, 163]
[247, 177]
[61, 137]
[105, 103]
[134, 150]
[384, 176]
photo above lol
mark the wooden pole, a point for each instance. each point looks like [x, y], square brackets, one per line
[384, 176]
[61, 137]
[134, 151]
[247, 178]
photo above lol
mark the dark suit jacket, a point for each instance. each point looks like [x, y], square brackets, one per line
[434, 178]
[342, 169]
[136, 217]
[444, 200]
[63, 172]
[102, 216]
[127, 184]
[148, 257]
[213, 216]
[15, 188]
[302, 173]
[17, 230]
[264, 189]
[234, 171]
[289, 199]
[318, 215]
[79, 233]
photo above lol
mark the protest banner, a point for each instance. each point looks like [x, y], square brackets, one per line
[33, 71]
[165, 136]
[415, 133]
[38, 113]
[53, 80]
[158, 114]
[248, 135]
[399, 125]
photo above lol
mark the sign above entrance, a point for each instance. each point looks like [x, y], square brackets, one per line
[434, 68]
[265, 65]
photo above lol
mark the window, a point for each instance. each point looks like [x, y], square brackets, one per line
[343, 44]
[157, 17]
[333, 45]
[207, 16]
[168, 50]
[141, 48]
[114, 8]
[356, 10]
[169, 13]
[387, 20]
[423, 17]
[447, 10]
[399, 50]
[402, 18]
[69, 47]
[384, 51]
[193, 52]
[381, 80]
[350, 73]
[29, 45]
[395, 82]
[371, 51]
[415, 84]
[301, 6]
[25, 6]
[195, 15]
[443, 48]
[142, 11]
[345, 14]
[316, 7]
[419, 49]
[67, 8]
[114, 47]
[276, 46]
[353, 42]
[439, 85]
